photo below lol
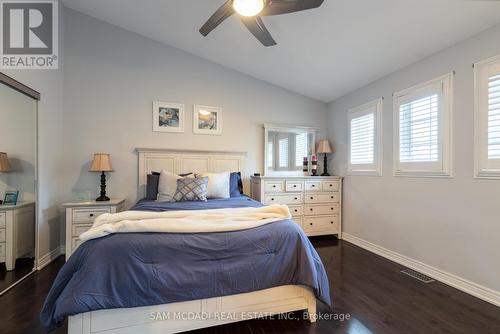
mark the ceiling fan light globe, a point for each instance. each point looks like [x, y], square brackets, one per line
[248, 7]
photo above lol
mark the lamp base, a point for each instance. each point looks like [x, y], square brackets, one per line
[102, 199]
[325, 174]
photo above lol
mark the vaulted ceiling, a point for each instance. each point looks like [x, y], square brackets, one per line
[322, 53]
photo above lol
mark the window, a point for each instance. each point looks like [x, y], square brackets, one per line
[487, 118]
[283, 152]
[365, 139]
[300, 148]
[422, 129]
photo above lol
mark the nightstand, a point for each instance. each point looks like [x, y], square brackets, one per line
[81, 215]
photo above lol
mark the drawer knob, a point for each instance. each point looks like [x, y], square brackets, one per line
[331, 222]
[313, 197]
[272, 199]
[331, 208]
[295, 186]
[331, 197]
[313, 186]
[274, 186]
[331, 185]
[310, 224]
[296, 210]
[295, 198]
[311, 209]
[91, 215]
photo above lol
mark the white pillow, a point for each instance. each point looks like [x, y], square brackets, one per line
[218, 184]
[167, 185]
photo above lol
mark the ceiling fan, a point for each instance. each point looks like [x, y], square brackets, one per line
[250, 12]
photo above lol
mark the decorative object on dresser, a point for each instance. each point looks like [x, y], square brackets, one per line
[80, 217]
[324, 148]
[315, 202]
[10, 197]
[102, 164]
[17, 233]
[314, 165]
[207, 120]
[168, 117]
[4, 165]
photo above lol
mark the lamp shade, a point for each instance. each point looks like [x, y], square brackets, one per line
[101, 163]
[4, 163]
[324, 147]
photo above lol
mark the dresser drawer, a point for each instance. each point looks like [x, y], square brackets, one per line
[283, 199]
[274, 186]
[295, 210]
[2, 235]
[2, 219]
[326, 225]
[79, 229]
[313, 186]
[330, 185]
[322, 198]
[88, 215]
[321, 209]
[294, 186]
[2, 252]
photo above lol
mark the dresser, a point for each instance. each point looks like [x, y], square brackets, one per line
[17, 232]
[81, 215]
[315, 202]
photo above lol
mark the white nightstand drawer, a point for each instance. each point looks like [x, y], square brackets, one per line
[322, 198]
[297, 220]
[2, 252]
[273, 186]
[330, 185]
[321, 224]
[294, 186]
[321, 209]
[283, 199]
[79, 229]
[295, 210]
[75, 242]
[2, 219]
[88, 215]
[2, 235]
[313, 185]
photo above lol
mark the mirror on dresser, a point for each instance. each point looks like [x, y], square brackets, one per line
[285, 148]
[18, 181]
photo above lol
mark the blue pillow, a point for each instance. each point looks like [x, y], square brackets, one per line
[235, 185]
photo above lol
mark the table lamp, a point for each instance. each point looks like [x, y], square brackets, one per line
[102, 164]
[325, 148]
[4, 165]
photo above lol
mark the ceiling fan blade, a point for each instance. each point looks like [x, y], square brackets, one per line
[277, 7]
[259, 30]
[218, 17]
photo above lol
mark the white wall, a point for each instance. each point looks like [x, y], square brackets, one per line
[111, 78]
[17, 138]
[452, 224]
[50, 111]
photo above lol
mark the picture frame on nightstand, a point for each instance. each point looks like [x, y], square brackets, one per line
[10, 197]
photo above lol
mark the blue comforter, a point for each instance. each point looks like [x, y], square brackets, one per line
[140, 269]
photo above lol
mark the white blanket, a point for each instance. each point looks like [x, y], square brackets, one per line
[189, 221]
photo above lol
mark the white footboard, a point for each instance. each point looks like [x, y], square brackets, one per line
[185, 316]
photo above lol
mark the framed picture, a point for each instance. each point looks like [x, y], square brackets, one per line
[207, 120]
[10, 197]
[168, 117]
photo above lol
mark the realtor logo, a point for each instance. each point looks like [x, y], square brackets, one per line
[29, 34]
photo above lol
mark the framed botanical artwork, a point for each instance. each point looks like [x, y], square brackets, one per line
[168, 117]
[10, 197]
[207, 120]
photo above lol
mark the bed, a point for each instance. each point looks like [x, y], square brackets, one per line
[174, 282]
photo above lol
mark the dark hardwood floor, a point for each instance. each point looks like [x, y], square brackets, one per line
[23, 267]
[366, 287]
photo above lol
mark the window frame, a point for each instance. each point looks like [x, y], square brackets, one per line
[376, 168]
[443, 87]
[483, 167]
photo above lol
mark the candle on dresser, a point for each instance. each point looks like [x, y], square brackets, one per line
[314, 165]
[305, 166]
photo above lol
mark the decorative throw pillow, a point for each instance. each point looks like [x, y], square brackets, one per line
[191, 189]
[167, 186]
[218, 184]
[235, 185]
[152, 186]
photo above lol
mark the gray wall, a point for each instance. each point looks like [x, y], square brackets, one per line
[452, 224]
[111, 78]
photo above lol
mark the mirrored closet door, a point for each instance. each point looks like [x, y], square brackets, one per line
[18, 181]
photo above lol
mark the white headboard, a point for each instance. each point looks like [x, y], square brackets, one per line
[186, 161]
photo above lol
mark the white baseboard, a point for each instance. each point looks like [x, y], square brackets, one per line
[49, 257]
[474, 289]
